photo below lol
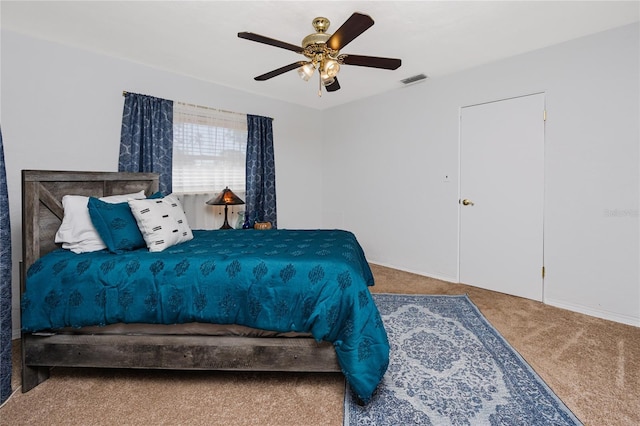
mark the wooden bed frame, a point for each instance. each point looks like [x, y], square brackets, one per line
[42, 214]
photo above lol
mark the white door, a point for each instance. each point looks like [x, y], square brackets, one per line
[502, 196]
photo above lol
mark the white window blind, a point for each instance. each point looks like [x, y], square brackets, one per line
[209, 149]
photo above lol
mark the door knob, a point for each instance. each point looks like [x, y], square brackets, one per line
[467, 202]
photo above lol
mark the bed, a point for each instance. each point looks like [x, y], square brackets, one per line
[279, 301]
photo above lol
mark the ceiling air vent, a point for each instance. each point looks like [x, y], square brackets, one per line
[414, 79]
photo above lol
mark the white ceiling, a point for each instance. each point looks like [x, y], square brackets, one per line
[199, 38]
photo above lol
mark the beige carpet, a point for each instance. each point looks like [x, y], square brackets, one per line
[593, 365]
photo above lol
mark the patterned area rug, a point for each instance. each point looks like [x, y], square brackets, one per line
[449, 366]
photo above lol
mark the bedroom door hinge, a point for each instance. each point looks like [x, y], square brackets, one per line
[543, 272]
[544, 115]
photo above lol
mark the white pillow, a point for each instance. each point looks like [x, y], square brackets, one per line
[77, 233]
[161, 221]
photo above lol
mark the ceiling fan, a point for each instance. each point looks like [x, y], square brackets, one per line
[323, 52]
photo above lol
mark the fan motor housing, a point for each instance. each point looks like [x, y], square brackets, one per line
[315, 38]
[316, 44]
[321, 25]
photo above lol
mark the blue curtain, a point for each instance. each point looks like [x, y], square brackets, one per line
[5, 283]
[261, 171]
[146, 138]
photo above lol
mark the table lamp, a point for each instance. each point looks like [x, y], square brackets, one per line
[226, 198]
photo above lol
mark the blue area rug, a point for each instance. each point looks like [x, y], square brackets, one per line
[449, 366]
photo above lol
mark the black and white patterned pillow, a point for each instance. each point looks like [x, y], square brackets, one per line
[161, 221]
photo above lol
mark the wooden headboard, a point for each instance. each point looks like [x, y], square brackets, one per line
[42, 212]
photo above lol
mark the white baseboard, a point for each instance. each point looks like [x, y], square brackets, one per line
[586, 310]
[598, 313]
[422, 273]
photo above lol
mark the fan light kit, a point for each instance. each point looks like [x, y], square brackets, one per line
[323, 52]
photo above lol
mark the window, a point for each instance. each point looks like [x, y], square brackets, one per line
[209, 149]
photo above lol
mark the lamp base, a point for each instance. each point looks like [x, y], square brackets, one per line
[226, 225]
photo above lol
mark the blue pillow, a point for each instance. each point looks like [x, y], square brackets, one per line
[116, 225]
[155, 196]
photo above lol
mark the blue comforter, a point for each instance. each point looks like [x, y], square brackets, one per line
[282, 280]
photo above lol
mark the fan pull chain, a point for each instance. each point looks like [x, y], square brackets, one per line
[319, 84]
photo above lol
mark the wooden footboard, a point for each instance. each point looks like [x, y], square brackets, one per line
[176, 352]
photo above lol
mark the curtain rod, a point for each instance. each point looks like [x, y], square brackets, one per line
[124, 93]
[211, 109]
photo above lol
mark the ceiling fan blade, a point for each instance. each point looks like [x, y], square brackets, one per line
[352, 28]
[279, 71]
[372, 61]
[333, 86]
[270, 41]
